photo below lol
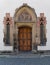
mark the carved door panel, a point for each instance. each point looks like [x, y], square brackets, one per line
[25, 40]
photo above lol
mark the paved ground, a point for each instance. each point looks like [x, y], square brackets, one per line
[24, 60]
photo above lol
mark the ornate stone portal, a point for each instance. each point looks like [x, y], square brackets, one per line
[25, 31]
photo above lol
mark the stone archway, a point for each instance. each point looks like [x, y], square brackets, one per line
[25, 38]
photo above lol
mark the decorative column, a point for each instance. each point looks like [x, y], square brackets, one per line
[34, 37]
[41, 25]
[8, 22]
[17, 38]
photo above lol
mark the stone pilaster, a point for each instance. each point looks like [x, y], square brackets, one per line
[33, 36]
[42, 20]
[8, 19]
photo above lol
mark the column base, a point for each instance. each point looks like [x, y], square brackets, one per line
[34, 51]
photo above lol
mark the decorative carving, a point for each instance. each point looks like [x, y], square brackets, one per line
[24, 16]
[8, 19]
[41, 19]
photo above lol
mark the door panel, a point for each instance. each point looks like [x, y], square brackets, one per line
[21, 42]
[29, 42]
[25, 36]
[28, 35]
[25, 40]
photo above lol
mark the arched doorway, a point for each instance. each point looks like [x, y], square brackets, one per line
[25, 38]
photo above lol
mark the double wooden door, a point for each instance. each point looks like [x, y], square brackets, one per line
[25, 39]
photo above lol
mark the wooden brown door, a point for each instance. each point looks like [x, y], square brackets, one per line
[25, 39]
